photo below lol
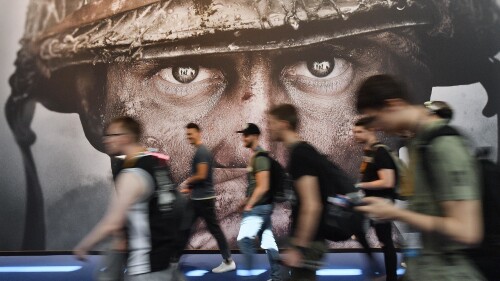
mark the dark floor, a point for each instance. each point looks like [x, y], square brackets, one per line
[338, 266]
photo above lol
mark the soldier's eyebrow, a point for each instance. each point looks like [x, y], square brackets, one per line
[144, 65]
[332, 48]
[150, 67]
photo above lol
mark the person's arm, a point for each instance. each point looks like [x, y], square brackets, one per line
[461, 220]
[261, 188]
[386, 180]
[119, 242]
[455, 187]
[308, 191]
[201, 174]
[129, 188]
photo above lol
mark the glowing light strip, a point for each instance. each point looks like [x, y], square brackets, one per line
[254, 272]
[13, 269]
[321, 272]
[196, 273]
[339, 272]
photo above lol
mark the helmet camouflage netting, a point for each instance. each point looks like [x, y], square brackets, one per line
[63, 32]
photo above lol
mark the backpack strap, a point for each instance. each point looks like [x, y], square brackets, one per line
[379, 144]
[445, 130]
[424, 149]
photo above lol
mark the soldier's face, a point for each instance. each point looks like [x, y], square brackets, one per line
[223, 92]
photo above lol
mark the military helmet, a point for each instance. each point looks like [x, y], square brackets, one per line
[64, 32]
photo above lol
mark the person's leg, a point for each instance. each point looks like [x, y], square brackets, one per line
[268, 243]
[384, 234]
[361, 238]
[302, 274]
[112, 266]
[163, 275]
[251, 225]
[208, 215]
[182, 239]
[312, 258]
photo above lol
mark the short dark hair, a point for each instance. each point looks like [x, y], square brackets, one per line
[193, 126]
[365, 122]
[130, 124]
[376, 90]
[286, 112]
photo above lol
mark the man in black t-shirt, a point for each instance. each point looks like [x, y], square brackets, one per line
[307, 245]
[378, 179]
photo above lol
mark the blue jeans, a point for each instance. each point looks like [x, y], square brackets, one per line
[257, 223]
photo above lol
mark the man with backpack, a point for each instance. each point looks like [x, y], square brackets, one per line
[378, 178]
[258, 205]
[146, 204]
[307, 244]
[445, 206]
[487, 255]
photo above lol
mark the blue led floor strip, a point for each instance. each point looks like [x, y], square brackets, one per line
[12, 269]
[196, 273]
[321, 272]
[339, 272]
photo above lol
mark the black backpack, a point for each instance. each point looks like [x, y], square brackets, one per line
[280, 185]
[339, 222]
[489, 249]
[168, 200]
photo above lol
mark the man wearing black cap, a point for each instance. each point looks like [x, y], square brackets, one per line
[258, 205]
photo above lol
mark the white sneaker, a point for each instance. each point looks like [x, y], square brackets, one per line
[224, 267]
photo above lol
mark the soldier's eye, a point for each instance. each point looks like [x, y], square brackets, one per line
[185, 74]
[321, 67]
[318, 68]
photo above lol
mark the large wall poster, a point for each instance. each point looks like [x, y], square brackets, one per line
[221, 64]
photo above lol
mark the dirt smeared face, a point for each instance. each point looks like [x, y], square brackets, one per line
[223, 92]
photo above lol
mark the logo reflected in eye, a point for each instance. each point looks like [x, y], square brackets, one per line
[320, 68]
[185, 74]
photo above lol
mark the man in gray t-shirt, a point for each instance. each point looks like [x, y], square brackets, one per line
[203, 189]
[200, 187]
